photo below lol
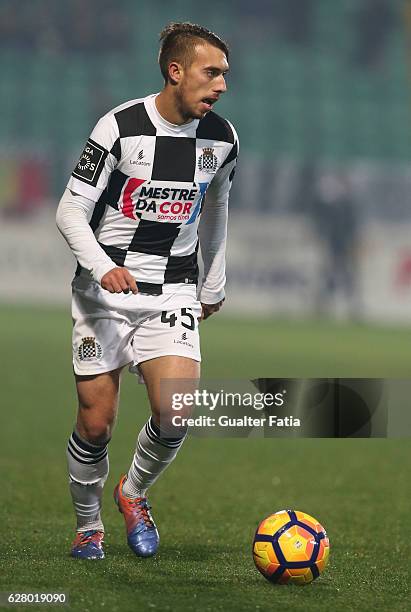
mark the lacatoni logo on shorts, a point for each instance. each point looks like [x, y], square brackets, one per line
[183, 340]
[89, 349]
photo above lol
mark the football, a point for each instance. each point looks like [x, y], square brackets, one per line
[290, 547]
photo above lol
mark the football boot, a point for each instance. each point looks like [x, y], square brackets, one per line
[88, 545]
[142, 534]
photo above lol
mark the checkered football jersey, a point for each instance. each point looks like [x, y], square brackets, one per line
[150, 180]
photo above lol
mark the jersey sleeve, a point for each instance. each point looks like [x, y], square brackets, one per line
[73, 215]
[220, 186]
[213, 229]
[98, 160]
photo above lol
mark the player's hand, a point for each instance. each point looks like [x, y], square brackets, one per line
[208, 309]
[119, 280]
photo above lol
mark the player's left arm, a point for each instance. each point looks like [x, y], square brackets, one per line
[212, 233]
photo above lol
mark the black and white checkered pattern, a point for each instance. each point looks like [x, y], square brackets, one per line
[89, 351]
[150, 180]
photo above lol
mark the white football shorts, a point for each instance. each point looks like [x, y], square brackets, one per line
[111, 330]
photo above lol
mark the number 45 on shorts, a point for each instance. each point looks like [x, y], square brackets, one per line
[187, 319]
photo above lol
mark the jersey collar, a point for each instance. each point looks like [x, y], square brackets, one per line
[159, 120]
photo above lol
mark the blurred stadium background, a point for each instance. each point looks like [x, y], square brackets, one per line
[319, 284]
[318, 91]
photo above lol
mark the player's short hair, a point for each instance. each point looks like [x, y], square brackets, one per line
[178, 41]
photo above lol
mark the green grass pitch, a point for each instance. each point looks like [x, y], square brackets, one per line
[210, 500]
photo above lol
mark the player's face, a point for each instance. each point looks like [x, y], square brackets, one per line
[202, 82]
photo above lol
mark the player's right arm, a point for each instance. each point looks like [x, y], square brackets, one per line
[87, 182]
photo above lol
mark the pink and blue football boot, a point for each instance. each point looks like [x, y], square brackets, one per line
[88, 545]
[142, 534]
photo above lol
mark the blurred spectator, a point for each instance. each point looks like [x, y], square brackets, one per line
[296, 19]
[24, 185]
[336, 224]
[94, 27]
[14, 28]
[291, 19]
[373, 23]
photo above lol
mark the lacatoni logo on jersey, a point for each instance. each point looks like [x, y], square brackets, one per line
[153, 200]
[91, 163]
[89, 349]
[208, 162]
[139, 161]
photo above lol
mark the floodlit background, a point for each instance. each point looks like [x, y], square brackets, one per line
[318, 91]
[319, 285]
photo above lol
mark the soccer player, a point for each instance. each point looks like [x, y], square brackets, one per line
[151, 185]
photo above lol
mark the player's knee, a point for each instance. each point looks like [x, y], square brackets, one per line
[98, 433]
[162, 413]
[95, 426]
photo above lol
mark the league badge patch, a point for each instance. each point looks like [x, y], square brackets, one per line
[91, 163]
[208, 162]
[89, 349]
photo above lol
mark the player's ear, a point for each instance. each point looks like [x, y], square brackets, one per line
[175, 72]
